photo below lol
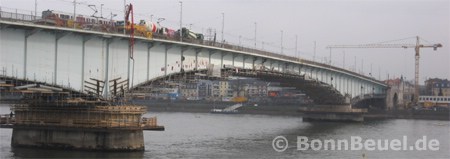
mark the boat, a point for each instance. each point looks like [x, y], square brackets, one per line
[223, 111]
[228, 110]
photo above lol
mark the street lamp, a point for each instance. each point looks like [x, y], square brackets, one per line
[255, 35]
[223, 25]
[101, 10]
[296, 43]
[281, 41]
[181, 21]
[35, 8]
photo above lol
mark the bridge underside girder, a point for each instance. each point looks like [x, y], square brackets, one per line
[320, 92]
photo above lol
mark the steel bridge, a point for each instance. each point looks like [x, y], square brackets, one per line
[73, 58]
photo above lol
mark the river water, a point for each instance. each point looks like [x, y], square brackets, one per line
[204, 135]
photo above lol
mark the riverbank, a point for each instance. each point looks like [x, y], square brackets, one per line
[205, 107]
[410, 114]
[281, 110]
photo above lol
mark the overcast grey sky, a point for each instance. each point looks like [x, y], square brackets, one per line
[327, 22]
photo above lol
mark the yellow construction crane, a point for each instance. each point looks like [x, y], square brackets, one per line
[416, 46]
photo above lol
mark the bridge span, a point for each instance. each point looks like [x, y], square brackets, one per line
[102, 62]
[71, 57]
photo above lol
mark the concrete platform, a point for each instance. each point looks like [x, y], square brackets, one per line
[332, 113]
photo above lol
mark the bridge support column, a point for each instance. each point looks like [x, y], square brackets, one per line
[279, 66]
[233, 56]
[341, 85]
[321, 75]
[243, 61]
[197, 51]
[167, 47]
[57, 37]
[83, 59]
[25, 55]
[106, 84]
[332, 113]
[222, 54]
[25, 52]
[182, 50]
[300, 67]
[347, 85]
[271, 65]
[314, 73]
[211, 52]
[149, 46]
[253, 63]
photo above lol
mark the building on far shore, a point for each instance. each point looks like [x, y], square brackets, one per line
[437, 87]
[400, 94]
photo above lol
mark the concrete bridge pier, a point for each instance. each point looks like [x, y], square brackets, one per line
[332, 113]
[93, 139]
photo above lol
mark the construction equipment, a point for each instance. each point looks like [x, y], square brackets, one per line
[130, 26]
[416, 46]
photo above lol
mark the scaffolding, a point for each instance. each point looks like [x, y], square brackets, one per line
[83, 114]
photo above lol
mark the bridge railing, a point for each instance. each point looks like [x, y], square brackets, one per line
[18, 16]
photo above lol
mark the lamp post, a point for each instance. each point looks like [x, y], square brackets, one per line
[35, 8]
[330, 56]
[281, 41]
[296, 42]
[101, 10]
[223, 25]
[181, 21]
[255, 35]
[314, 56]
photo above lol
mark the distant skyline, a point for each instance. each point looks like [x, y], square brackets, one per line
[328, 22]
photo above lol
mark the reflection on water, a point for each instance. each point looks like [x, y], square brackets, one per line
[203, 135]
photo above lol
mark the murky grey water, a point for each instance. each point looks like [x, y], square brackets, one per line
[202, 135]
